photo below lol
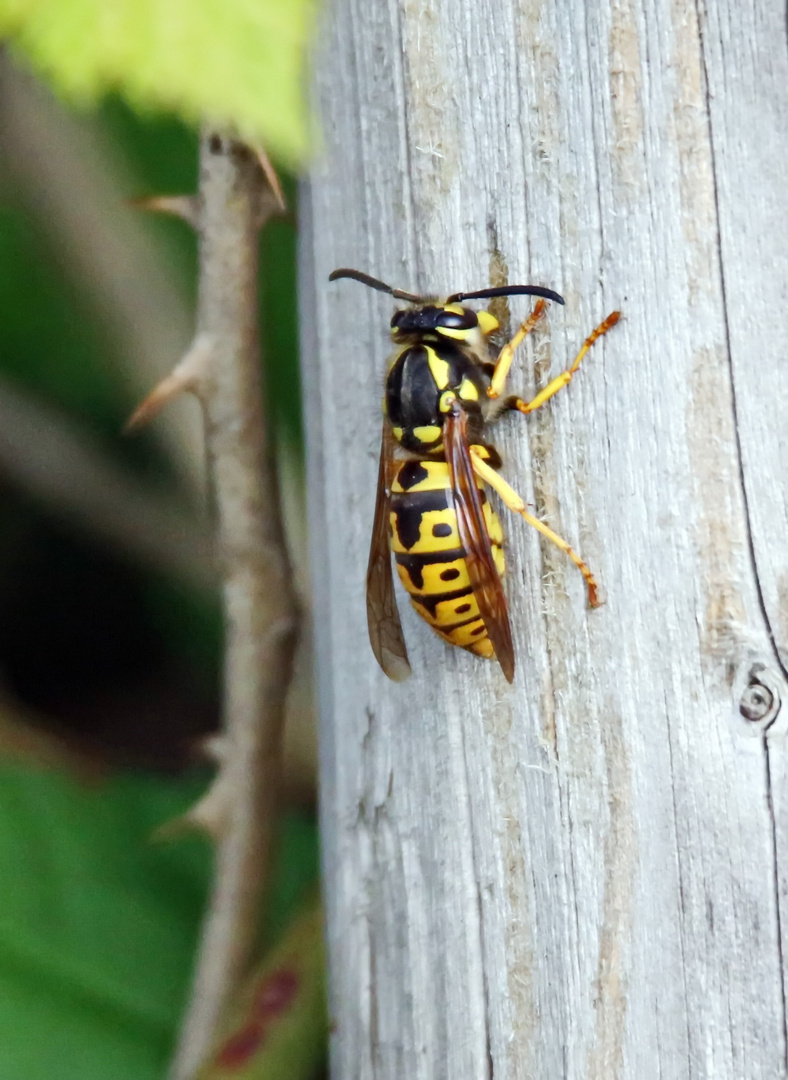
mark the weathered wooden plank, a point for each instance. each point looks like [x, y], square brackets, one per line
[580, 875]
[746, 64]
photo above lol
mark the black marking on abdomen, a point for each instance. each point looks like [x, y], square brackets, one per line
[450, 627]
[421, 501]
[413, 564]
[411, 473]
[430, 603]
[408, 524]
[409, 510]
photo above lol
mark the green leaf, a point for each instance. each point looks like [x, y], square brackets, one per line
[234, 63]
[98, 924]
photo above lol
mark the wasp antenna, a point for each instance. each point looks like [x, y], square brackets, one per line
[373, 283]
[508, 290]
[359, 275]
[398, 294]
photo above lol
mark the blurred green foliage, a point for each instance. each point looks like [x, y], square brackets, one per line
[49, 342]
[98, 921]
[97, 924]
[241, 64]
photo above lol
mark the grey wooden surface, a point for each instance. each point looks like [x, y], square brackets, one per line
[582, 875]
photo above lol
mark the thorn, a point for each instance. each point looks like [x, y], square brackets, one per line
[151, 406]
[186, 207]
[270, 174]
[170, 830]
[214, 748]
[212, 813]
[209, 815]
[185, 376]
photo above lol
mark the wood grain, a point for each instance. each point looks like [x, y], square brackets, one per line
[583, 875]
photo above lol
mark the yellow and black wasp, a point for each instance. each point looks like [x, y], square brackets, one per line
[432, 512]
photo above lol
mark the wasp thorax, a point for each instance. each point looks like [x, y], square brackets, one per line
[426, 373]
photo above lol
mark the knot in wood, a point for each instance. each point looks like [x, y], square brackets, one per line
[757, 701]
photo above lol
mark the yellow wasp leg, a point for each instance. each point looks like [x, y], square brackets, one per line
[506, 355]
[513, 501]
[561, 380]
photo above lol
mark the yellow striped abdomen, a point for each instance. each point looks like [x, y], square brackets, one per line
[430, 558]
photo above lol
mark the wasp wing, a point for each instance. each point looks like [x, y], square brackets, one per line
[475, 539]
[385, 628]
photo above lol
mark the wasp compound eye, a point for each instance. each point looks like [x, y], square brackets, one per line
[396, 319]
[457, 320]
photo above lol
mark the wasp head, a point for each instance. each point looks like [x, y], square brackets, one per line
[444, 320]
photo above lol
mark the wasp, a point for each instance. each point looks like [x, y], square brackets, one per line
[432, 511]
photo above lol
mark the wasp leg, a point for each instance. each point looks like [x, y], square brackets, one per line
[513, 501]
[506, 355]
[565, 377]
